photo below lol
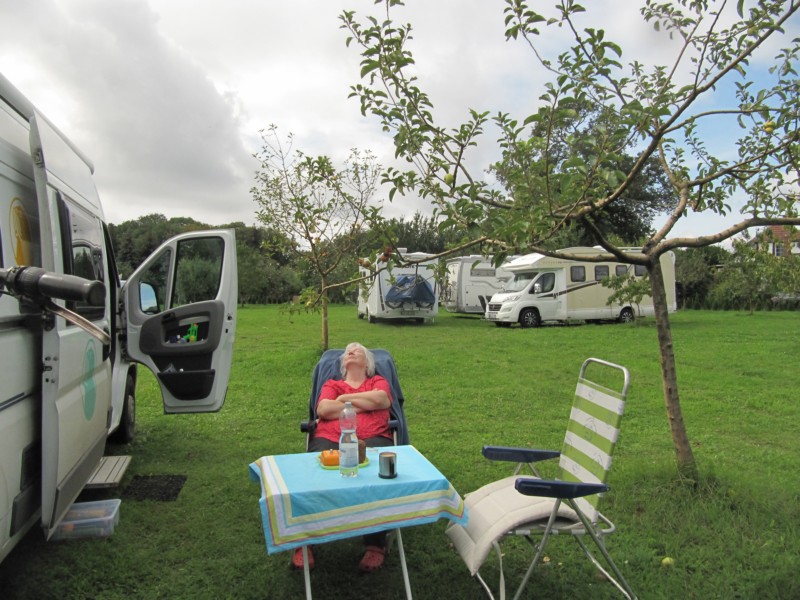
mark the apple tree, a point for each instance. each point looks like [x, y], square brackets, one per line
[320, 211]
[653, 112]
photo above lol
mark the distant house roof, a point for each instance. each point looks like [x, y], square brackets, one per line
[779, 239]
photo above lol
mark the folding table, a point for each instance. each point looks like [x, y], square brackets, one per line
[303, 503]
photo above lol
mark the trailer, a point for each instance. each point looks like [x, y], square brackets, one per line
[400, 292]
[471, 282]
[547, 289]
[72, 335]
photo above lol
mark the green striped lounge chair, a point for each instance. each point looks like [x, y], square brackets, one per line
[537, 508]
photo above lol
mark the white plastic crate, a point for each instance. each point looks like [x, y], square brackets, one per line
[89, 519]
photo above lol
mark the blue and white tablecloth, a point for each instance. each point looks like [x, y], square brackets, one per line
[302, 503]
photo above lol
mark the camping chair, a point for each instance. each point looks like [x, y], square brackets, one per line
[532, 506]
[328, 367]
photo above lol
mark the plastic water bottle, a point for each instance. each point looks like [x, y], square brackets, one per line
[348, 442]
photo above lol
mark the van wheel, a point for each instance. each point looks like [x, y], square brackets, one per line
[626, 315]
[530, 318]
[370, 318]
[127, 422]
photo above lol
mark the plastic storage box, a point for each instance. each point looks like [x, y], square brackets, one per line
[89, 519]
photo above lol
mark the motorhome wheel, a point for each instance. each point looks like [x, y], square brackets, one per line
[626, 315]
[530, 318]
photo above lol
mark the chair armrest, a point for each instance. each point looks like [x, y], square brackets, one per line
[557, 489]
[394, 424]
[518, 455]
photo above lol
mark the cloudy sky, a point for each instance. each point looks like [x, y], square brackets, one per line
[167, 97]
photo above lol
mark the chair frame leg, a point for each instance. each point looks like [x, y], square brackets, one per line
[502, 584]
[620, 582]
[545, 537]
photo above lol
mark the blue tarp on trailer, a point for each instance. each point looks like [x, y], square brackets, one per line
[410, 288]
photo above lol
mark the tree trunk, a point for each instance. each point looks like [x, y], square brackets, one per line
[683, 449]
[324, 300]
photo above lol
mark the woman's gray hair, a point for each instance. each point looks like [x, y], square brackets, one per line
[367, 353]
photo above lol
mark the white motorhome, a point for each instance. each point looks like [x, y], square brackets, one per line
[71, 335]
[555, 289]
[471, 282]
[404, 292]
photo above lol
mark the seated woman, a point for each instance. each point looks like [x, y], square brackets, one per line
[371, 398]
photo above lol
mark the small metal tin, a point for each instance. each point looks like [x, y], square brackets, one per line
[387, 462]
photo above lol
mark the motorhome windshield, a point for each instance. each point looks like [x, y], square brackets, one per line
[519, 282]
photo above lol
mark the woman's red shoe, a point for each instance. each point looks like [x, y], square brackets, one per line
[372, 559]
[297, 558]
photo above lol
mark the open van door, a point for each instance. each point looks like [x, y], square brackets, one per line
[180, 313]
[75, 366]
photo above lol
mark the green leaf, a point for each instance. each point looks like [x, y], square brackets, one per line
[368, 66]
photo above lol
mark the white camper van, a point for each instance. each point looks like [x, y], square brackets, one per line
[405, 292]
[554, 289]
[471, 282]
[71, 335]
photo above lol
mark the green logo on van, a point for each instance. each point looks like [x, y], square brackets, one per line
[89, 391]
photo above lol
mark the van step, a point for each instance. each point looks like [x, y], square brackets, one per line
[109, 472]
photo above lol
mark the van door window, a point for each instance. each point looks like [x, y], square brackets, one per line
[198, 273]
[82, 243]
[545, 283]
[621, 270]
[199, 269]
[600, 272]
[639, 270]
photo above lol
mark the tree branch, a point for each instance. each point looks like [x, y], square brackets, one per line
[707, 240]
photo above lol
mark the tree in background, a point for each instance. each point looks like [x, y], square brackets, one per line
[695, 269]
[418, 234]
[629, 220]
[135, 240]
[264, 275]
[787, 271]
[752, 277]
[654, 114]
[748, 279]
[789, 279]
[321, 209]
[266, 270]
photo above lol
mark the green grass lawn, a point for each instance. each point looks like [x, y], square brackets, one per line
[468, 383]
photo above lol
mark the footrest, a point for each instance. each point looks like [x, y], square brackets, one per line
[109, 472]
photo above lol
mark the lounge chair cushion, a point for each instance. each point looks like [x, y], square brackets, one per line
[494, 510]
